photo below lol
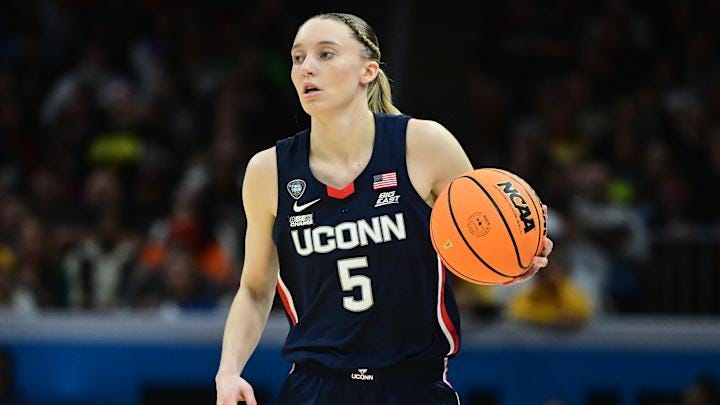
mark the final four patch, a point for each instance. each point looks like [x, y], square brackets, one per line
[296, 188]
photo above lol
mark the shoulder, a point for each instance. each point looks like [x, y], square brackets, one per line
[427, 133]
[429, 138]
[260, 183]
[263, 162]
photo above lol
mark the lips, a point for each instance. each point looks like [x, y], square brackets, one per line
[310, 88]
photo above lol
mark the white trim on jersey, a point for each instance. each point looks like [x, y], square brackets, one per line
[447, 381]
[441, 320]
[445, 372]
[290, 303]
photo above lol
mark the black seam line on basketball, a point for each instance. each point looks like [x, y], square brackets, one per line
[460, 232]
[537, 212]
[446, 266]
[466, 276]
[507, 226]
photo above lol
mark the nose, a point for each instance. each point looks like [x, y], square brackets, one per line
[307, 68]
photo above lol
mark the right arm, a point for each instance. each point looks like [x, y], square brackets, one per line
[251, 306]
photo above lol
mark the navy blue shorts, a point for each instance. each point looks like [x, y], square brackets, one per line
[411, 384]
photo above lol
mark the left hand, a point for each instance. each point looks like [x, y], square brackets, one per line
[538, 262]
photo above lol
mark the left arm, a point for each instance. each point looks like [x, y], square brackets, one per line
[434, 159]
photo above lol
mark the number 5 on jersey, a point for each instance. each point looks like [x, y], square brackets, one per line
[348, 283]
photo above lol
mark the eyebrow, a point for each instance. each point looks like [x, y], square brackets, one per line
[319, 43]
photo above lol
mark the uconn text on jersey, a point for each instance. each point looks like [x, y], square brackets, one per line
[349, 235]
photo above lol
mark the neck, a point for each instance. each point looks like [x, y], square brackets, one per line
[344, 137]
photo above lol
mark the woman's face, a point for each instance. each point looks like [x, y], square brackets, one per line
[328, 67]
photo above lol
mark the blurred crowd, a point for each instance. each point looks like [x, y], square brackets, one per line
[125, 127]
[611, 111]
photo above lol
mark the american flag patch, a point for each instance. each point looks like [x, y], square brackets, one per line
[385, 180]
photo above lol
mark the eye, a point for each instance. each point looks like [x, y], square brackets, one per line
[326, 55]
[297, 59]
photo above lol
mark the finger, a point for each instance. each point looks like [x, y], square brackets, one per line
[520, 279]
[533, 270]
[528, 274]
[225, 400]
[247, 395]
[511, 282]
[548, 245]
[539, 262]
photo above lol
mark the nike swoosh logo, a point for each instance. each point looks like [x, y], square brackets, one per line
[299, 208]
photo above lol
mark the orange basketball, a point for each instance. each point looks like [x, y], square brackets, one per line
[487, 225]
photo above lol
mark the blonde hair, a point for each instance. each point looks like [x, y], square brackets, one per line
[379, 91]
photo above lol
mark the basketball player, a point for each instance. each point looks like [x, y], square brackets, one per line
[342, 210]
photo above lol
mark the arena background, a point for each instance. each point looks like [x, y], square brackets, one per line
[125, 127]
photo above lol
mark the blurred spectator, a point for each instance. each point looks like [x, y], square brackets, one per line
[46, 195]
[152, 183]
[552, 299]
[97, 270]
[609, 230]
[8, 298]
[99, 251]
[12, 212]
[178, 283]
[214, 181]
[37, 281]
[192, 233]
[103, 194]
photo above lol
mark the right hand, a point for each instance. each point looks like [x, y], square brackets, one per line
[232, 388]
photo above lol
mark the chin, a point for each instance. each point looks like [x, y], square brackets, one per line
[309, 110]
[314, 108]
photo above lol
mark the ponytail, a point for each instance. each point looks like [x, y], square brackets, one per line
[380, 95]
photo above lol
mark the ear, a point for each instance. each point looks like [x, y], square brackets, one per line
[369, 72]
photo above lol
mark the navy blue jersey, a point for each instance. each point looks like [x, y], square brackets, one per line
[359, 279]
